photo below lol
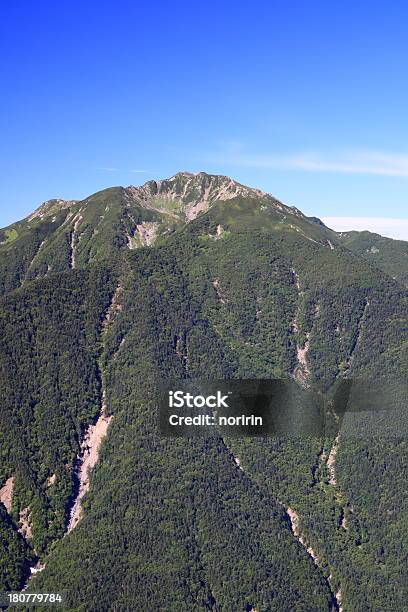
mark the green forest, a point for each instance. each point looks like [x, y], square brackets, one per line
[246, 290]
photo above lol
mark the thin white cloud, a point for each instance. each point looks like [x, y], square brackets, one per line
[391, 228]
[351, 162]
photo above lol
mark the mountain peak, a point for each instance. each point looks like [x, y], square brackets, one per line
[192, 193]
[184, 196]
[115, 219]
[51, 207]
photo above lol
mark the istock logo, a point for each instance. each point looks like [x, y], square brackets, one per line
[271, 407]
[179, 399]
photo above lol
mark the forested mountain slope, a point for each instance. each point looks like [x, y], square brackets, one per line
[388, 254]
[196, 277]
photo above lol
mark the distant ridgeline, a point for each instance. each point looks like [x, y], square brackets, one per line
[199, 277]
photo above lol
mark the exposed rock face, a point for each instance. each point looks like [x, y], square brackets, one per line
[188, 194]
[131, 217]
[302, 371]
[218, 290]
[294, 521]
[114, 307]
[25, 524]
[331, 461]
[51, 480]
[95, 434]
[88, 459]
[6, 493]
[51, 207]
[183, 196]
[147, 232]
[76, 221]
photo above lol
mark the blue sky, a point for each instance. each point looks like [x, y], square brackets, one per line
[306, 100]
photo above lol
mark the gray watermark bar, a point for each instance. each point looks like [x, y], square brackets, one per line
[282, 407]
[239, 408]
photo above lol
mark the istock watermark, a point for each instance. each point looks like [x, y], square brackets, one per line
[238, 408]
[282, 407]
[179, 399]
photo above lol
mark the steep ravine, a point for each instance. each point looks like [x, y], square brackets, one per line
[293, 519]
[294, 522]
[86, 461]
[360, 327]
[95, 433]
[331, 461]
[91, 442]
[25, 527]
[73, 238]
[302, 370]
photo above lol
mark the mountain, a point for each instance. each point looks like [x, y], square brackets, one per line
[388, 254]
[194, 277]
[64, 234]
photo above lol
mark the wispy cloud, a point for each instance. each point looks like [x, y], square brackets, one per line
[392, 228]
[352, 162]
